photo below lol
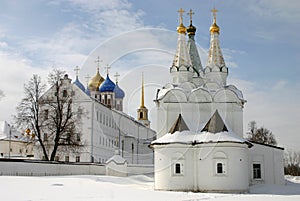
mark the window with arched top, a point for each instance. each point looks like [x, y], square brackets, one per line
[220, 163]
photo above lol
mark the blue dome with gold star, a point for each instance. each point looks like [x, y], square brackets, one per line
[107, 85]
[79, 84]
[119, 93]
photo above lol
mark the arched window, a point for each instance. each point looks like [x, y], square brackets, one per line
[219, 168]
[141, 115]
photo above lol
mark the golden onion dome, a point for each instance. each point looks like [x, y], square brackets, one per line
[95, 82]
[214, 28]
[181, 29]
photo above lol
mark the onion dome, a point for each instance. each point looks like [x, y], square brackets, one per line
[214, 28]
[119, 93]
[181, 28]
[79, 84]
[95, 82]
[191, 30]
[107, 85]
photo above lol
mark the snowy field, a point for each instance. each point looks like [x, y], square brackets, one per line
[134, 188]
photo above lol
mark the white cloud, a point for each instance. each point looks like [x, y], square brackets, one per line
[15, 72]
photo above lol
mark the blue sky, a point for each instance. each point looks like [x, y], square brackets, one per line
[259, 40]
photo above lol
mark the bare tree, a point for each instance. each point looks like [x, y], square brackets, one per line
[53, 116]
[28, 110]
[292, 163]
[260, 135]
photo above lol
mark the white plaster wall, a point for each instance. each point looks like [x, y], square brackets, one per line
[199, 167]
[272, 164]
[235, 177]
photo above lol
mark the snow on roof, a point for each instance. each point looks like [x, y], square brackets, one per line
[190, 137]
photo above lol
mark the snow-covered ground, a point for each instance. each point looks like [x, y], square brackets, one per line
[134, 188]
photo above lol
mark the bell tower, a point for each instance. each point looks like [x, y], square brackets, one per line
[142, 112]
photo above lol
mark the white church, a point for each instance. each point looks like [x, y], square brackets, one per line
[200, 144]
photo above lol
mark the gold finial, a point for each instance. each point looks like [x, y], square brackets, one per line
[77, 69]
[214, 11]
[180, 11]
[191, 13]
[181, 28]
[117, 75]
[214, 27]
[142, 97]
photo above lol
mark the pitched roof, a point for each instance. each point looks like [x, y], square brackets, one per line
[215, 124]
[179, 125]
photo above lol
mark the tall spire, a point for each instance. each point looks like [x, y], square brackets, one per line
[181, 62]
[142, 112]
[215, 69]
[192, 48]
[142, 96]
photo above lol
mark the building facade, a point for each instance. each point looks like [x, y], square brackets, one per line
[14, 144]
[105, 130]
[200, 145]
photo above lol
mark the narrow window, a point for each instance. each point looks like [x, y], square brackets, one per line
[67, 158]
[78, 137]
[177, 168]
[77, 159]
[256, 171]
[219, 168]
[141, 115]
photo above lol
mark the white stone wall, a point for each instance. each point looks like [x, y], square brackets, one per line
[198, 165]
[271, 160]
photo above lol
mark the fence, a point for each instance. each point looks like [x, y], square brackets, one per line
[19, 167]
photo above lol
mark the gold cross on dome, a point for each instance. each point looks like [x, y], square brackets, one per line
[191, 13]
[77, 69]
[117, 75]
[98, 62]
[214, 11]
[180, 11]
[107, 69]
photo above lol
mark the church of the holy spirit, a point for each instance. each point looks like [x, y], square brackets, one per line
[200, 144]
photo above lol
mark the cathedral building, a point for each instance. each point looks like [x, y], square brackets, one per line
[200, 145]
[105, 130]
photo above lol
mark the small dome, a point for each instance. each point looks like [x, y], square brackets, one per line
[119, 93]
[107, 85]
[95, 82]
[191, 30]
[79, 84]
[214, 28]
[181, 29]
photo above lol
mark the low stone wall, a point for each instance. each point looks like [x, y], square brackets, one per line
[41, 168]
[16, 167]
